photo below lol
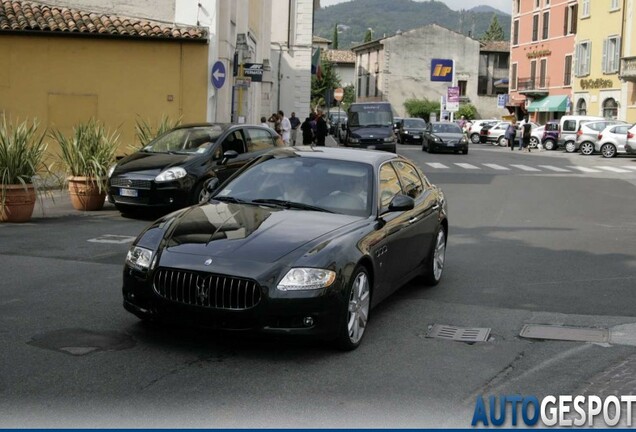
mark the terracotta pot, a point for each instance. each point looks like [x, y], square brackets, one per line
[85, 194]
[19, 202]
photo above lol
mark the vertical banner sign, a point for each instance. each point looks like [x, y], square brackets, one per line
[452, 99]
[502, 100]
[442, 70]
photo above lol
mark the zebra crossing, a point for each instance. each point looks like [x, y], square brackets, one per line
[527, 169]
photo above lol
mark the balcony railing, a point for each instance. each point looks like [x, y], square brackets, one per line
[533, 85]
[628, 68]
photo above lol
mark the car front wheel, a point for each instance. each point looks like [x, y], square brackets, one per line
[570, 146]
[474, 138]
[435, 265]
[549, 145]
[608, 150]
[534, 142]
[502, 142]
[356, 311]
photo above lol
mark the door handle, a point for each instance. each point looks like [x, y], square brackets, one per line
[413, 220]
[435, 207]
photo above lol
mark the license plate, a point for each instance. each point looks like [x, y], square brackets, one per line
[128, 192]
[416, 137]
[371, 147]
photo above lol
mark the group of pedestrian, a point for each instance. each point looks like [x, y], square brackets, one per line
[525, 129]
[314, 128]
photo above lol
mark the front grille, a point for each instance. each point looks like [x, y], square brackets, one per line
[130, 183]
[206, 289]
[130, 200]
[372, 141]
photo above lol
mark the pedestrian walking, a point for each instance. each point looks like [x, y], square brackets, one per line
[285, 127]
[295, 124]
[275, 123]
[511, 134]
[526, 134]
[321, 129]
[308, 133]
[312, 121]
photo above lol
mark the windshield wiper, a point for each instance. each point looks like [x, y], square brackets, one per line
[290, 204]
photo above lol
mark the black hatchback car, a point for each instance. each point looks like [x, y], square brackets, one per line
[411, 131]
[304, 241]
[169, 173]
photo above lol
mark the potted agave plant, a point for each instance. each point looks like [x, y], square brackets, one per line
[22, 155]
[87, 155]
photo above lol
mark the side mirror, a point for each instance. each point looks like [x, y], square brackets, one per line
[209, 187]
[230, 154]
[401, 203]
[344, 126]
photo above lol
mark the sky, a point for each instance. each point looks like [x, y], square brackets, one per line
[503, 5]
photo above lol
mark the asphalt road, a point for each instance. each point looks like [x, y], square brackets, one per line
[534, 239]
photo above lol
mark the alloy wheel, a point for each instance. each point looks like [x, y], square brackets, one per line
[358, 308]
[570, 147]
[587, 148]
[549, 145]
[474, 138]
[534, 142]
[439, 255]
[608, 151]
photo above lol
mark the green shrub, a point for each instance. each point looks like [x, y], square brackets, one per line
[22, 152]
[146, 133]
[421, 108]
[467, 110]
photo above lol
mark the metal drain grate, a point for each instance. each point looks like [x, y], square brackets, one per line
[554, 332]
[441, 331]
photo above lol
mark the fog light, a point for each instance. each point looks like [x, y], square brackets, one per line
[308, 321]
[171, 200]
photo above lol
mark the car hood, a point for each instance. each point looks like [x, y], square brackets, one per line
[371, 132]
[248, 232]
[152, 163]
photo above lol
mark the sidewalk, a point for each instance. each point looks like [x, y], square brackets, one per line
[57, 203]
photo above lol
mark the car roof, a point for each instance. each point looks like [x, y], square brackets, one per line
[372, 157]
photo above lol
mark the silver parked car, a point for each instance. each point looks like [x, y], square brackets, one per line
[612, 140]
[473, 133]
[587, 136]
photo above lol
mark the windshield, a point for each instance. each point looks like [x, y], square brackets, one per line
[185, 140]
[337, 186]
[414, 123]
[370, 115]
[446, 128]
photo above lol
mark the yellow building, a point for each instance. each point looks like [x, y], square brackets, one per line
[628, 62]
[597, 85]
[62, 66]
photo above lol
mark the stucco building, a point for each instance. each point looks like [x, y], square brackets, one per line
[400, 67]
[627, 105]
[65, 66]
[541, 57]
[344, 64]
[597, 86]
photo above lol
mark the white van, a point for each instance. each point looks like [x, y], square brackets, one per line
[569, 125]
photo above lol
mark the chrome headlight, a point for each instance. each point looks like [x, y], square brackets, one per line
[171, 174]
[354, 140]
[139, 258]
[388, 139]
[110, 171]
[436, 139]
[406, 132]
[463, 140]
[306, 279]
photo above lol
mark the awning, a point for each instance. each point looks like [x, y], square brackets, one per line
[549, 104]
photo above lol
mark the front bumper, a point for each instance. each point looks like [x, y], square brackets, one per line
[309, 313]
[146, 193]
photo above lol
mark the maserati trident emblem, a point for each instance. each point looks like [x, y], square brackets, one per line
[202, 290]
[208, 261]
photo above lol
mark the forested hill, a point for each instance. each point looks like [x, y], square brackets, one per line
[385, 17]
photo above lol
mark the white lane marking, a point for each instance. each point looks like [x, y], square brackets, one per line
[111, 238]
[525, 168]
[583, 169]
[553, 168]
[467, 166]
[629, 167]
[436, 165]
[613, 169]
[497, 167]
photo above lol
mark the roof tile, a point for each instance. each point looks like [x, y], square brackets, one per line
[26, 15]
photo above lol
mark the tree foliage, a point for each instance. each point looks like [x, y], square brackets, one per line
[495, 32]
[322, 90]
[421, 108]
[368, 36]
[467, 110]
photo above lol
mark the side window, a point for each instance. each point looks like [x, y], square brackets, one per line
[234, 141]
[258, 140]
[621, 130]
[389, 185]
[569, 125]
[410, 179]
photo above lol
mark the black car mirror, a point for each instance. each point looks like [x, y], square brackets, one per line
[401, 203]
[211, 185]
[229, 154]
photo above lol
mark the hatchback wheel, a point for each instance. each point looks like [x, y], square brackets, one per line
[534, 142]
[474, 138]
[587, 148]
[570, 146]
[356, 311]
[501, 141]
[549, 144]
[435, 266]
[608, 150]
